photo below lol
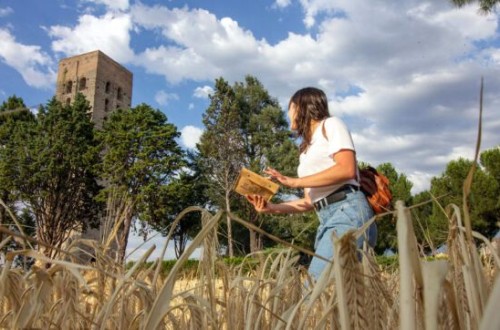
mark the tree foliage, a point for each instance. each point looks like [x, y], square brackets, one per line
[140, 155]
[220, 149]
[421, 212]
[400, 187]
[485, 6]
[490, 160]
[483, 199]
[184, 190]
[245, 127]
[12, 112]
[52, 159]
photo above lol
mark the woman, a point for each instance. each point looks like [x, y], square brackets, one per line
[327, 172]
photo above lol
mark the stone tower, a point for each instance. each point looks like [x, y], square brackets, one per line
[105, 83]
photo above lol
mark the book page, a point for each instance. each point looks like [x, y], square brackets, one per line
[251, 183]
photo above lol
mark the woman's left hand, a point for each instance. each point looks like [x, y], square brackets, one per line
[284, 180]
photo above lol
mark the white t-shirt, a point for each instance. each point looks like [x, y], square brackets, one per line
[319, 155]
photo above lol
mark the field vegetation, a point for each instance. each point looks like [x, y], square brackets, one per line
[265, 291]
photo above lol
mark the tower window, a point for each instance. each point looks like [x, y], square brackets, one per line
[83, 83]
[119, 93]
[106, 105]
[108, 87]
[69, 86]
[68, 101]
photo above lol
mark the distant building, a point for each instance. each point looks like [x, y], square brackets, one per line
[106, 84]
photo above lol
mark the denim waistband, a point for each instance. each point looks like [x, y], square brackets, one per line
[336, 196]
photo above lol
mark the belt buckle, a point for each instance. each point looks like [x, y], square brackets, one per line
[321, 203]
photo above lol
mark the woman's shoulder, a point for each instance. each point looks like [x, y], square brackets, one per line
[333, 121]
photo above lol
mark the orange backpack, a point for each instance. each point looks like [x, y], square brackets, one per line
[375, 186]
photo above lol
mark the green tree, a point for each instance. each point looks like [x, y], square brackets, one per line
[220, 150]
[26, 220]
[421, 212]
[400, 187]
[184, 190]
[12, 110]
[266, 142]
[485, 6]
[53, 157]
[140, 156]
[245, 127]
[490, 160]
[483, 199]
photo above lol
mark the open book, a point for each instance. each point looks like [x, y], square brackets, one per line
[251, 183]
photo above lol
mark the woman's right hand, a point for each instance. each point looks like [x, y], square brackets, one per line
[259, 203]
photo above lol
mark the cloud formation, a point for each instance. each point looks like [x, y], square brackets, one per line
[111, 4]
[109, 33]
[203, 92]
[190, 136]
[163, 98]
[34, 65]
[5, 11]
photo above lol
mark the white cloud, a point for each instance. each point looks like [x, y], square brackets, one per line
[421, 181]
[190, 136]
[202, 51]
[6, 11]
[176, 64]
[464, 21]
[34, 65]
[414, 66]
[203, 92]
[163, 98]
[491, 55]
[111, 4]
[313, 7]
[191, 106]
[282, 3]
[109, 33]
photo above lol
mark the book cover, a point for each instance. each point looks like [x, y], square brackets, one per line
[251, 183]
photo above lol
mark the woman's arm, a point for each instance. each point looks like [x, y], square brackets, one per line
[343, 170]
[295, 206]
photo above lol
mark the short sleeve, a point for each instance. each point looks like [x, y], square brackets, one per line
[338, 136]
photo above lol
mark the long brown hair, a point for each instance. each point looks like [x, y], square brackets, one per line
[311, 104]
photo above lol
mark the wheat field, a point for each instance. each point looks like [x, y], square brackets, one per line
[457, 292]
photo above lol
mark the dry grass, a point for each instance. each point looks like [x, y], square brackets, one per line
[457, 292]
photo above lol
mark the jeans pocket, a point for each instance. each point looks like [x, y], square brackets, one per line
[352, 214]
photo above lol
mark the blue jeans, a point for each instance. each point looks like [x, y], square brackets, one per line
[348, 214]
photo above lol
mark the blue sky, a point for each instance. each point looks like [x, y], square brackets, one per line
[403, 74]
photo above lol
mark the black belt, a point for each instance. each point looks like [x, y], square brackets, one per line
[336, 196]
